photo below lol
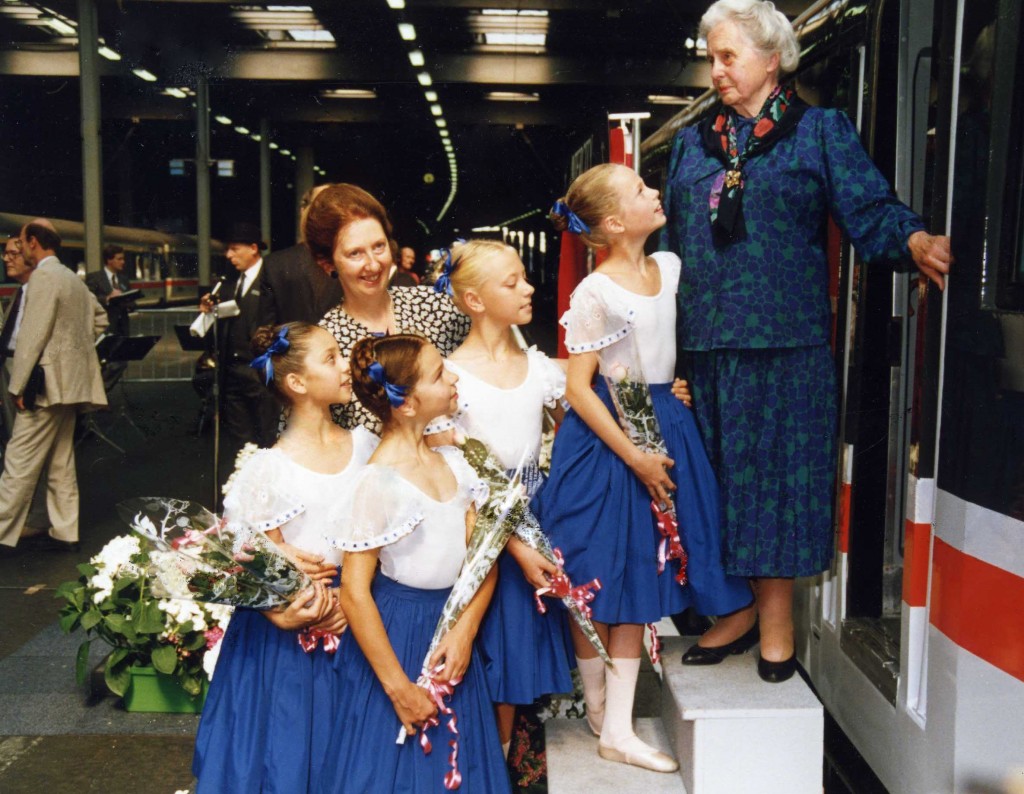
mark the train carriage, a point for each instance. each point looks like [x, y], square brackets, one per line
[914, 639]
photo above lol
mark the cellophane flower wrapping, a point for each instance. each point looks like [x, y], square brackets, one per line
[501, 505]
[195, 555]
[525, 525]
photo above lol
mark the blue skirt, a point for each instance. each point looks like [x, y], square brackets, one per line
[599, 514]
[525, 654]
[367, 759]
[265, 723]
[769, 420]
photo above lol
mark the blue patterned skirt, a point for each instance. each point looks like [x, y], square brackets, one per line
[769, 421]
[366, 758]
[599, 514]
[266, 719]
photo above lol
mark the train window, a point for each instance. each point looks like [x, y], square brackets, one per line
[1000, 94]
[982, 438]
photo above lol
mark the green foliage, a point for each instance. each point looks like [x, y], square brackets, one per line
[121, 610]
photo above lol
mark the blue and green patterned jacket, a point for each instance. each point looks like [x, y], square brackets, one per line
[770, 289]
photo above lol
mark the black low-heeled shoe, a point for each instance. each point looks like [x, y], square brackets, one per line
[699, 655]
[776, 672]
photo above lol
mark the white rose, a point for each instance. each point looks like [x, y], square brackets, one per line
[618, 373]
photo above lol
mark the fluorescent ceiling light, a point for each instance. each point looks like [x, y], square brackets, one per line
[516, 39]
[441, 122]
[62, 27]
[416, 58]
[445, 133]
[289, 9]
[311, 35]
[222, 119]
[256, 137]
[242, 130]
[175, 92]
[668, 99]
[286, 153]
[396, 4]
[424, 78]
[348, 93]
[511, 96]
[144, 74]
[431, 96]
[109, 54]
[274, 145]
[436, 110]
[406, 31]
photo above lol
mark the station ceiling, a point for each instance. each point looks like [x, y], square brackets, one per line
[519, 85]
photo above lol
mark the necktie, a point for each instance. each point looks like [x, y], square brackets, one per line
[8, 330]
[239, 288]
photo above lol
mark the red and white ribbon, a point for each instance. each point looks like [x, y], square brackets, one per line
[439, 691]
[561, 587]
[670, 547]
[655, 644]
[310, 638]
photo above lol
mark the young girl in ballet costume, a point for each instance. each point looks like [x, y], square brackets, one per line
[504, 391]
[264, 725]
[597, 504]
[412, 509]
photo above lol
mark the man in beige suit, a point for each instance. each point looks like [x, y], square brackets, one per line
[56, 332]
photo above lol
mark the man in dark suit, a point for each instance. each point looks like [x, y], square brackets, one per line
[110, 282]
[247, 410]
[294, 286]
[107, 284]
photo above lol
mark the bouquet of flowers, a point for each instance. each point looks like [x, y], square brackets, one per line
[576, 598]
[631, 396]
[114, 599]
[196, 555]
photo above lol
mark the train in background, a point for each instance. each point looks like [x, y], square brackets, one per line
[914, 639]
[164, 265]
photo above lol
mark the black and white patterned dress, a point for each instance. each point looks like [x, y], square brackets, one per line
[417, 310]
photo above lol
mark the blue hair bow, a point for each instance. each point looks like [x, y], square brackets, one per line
[395, 393]
[265, 362]
[444, 280]
[576, 224]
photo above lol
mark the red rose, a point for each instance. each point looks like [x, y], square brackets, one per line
[763, 127]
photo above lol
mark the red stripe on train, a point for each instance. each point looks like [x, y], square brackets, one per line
[977, 606]
[916, 560]
[845, 492]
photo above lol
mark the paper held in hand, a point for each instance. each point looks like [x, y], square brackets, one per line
[204, 322]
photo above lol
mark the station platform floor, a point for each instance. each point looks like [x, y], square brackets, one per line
[57, 737]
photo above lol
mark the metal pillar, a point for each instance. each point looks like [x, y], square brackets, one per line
[92, 157]
[304, 180]
[203, 178]
[265, 180]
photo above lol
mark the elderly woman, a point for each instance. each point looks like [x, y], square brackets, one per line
[749, 191]
[348, 230]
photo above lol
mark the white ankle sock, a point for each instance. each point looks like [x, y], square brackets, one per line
[620, 681]
[592, 673]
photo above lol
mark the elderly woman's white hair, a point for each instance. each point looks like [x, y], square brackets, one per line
[765, 26]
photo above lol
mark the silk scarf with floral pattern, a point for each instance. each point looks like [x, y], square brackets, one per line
[779, 115]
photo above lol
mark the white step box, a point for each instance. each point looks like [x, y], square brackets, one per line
[733, 733]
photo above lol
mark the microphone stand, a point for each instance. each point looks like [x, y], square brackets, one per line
[215, 309]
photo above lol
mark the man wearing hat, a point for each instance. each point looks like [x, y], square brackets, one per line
[248, 412]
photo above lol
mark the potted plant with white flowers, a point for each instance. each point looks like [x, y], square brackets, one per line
[160, 647]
